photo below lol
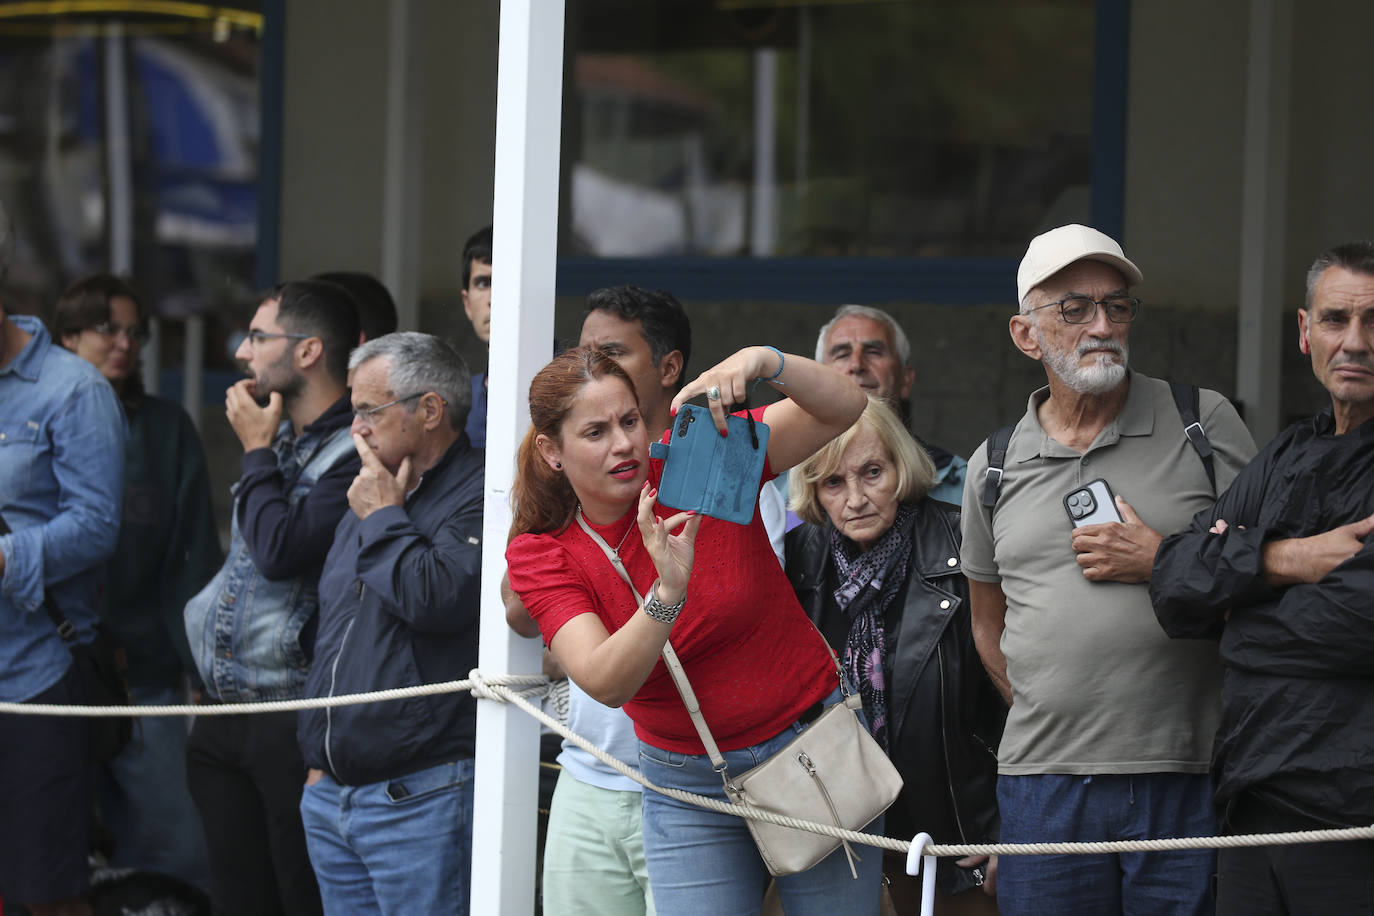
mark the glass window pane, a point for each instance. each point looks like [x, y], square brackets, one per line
[185, 93]
[872, 129]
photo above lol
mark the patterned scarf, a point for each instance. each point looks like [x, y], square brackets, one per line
[869, 580]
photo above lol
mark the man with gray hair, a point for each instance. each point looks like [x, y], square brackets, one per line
[1111, 723]
[1282, 569]
[387, 804]
[869, 345]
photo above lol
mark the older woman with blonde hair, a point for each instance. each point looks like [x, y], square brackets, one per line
[876, 567]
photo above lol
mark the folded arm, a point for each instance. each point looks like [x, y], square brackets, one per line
[1203, 572]
[1291, 561]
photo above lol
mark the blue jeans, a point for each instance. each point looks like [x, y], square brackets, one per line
[400, 847]
[144, 801]
[1054, 808]
[704, 862]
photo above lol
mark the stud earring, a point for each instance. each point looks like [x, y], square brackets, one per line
[558, 465]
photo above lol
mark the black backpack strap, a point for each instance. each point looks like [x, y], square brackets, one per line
[1188, 401]
[997, 459]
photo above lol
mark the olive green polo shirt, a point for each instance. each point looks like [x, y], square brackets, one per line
[1097, 686]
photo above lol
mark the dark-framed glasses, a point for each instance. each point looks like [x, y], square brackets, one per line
[256, 337]
[1083, 309]
[134, 333]
[366, 414]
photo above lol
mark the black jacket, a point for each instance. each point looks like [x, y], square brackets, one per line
[398, 607]
[944, 716]
[1297, 702]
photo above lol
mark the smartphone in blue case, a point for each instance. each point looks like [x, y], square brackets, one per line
[712, 474]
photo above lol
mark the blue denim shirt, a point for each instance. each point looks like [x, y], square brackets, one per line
[248, 632]
[61, 488]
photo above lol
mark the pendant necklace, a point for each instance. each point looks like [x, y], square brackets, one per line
[623, 538]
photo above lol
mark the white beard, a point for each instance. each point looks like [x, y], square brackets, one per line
[1100, 376]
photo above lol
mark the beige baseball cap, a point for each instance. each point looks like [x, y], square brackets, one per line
[1052, 251]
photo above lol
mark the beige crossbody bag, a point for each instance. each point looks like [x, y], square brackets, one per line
[833, 772]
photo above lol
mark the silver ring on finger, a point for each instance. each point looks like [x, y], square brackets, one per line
[713, 393]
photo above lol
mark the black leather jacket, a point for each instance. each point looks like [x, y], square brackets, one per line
[944, 717]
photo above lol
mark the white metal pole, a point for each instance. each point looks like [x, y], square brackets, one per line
[402, 169]
[529, 88]
[1264, 214]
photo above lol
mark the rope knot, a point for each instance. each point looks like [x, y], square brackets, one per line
[481, 689]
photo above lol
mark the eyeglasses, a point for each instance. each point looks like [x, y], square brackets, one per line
[1083, 309]
[256, 337]
[365, 414]
[135, 334]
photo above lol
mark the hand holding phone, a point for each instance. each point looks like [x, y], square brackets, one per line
[710, 474]
[1094, 504]
[1122, 552]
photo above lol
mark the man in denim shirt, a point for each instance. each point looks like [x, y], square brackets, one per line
[61, 488]
[252, 628]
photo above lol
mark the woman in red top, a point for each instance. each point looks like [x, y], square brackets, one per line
[758, 667]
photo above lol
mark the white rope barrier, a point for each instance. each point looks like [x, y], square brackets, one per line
[904, 846]
[498, 688]
[537, 684]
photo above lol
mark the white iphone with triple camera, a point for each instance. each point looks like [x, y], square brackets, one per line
[1093, 504]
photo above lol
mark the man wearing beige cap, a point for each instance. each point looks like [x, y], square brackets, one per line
[1111, 723]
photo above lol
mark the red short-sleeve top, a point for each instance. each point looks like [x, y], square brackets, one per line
[754, 659]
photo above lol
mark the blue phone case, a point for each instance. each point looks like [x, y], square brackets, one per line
[712, 474]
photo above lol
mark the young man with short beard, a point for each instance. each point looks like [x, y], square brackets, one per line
[252, 628]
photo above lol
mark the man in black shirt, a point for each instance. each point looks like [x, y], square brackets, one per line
[252, 628]
[1282, 570]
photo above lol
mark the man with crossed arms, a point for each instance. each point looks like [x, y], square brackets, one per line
[1282, 569]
